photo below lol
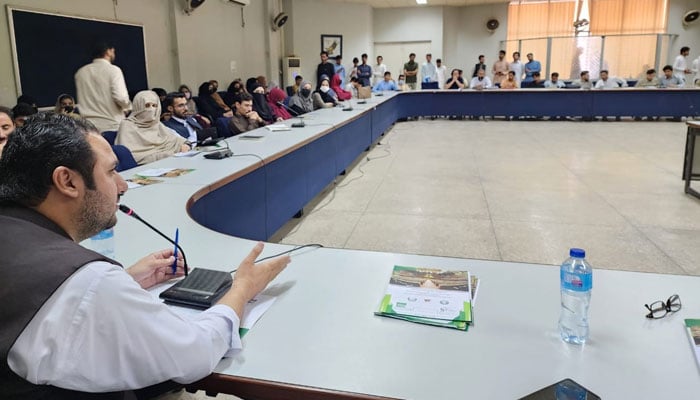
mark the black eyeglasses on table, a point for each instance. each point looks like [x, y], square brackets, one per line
[660, 309]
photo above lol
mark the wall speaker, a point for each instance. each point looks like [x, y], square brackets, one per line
[492, 25]
[279, 21]
[691, 17]
[191, 5]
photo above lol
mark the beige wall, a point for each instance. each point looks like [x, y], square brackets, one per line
[312, 18]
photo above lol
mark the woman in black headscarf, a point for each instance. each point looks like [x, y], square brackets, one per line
[260, 101]
[208, 105]
[235, 87]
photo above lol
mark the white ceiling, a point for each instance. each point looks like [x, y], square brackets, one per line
[412, 3]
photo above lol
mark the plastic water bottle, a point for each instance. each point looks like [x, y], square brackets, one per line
[576, 277]
[103, 243]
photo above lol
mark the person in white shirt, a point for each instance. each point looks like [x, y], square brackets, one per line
[680, 65]
[441, 74]
[428, 71]
[554, 82]
[608, 82]
[101, 90]
[696, 69]
[481, 81]
[99, 330]
[517, 67]
[378, 71]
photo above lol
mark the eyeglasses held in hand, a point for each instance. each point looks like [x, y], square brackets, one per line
[660, 309]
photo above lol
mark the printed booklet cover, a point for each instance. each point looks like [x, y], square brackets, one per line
[429, 296]
[693, 327]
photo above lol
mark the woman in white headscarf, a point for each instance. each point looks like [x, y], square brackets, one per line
[144, 135]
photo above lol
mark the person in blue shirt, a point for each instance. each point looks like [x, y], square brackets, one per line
[364, 71]
[531, 67]
[386, 84]
[340, 69]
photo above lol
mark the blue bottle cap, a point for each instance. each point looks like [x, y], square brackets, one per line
[578, 253]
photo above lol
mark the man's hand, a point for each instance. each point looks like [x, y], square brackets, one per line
[156, 268]
[253, 115]
[250, 279]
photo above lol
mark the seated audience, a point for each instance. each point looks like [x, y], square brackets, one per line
[21, 112]
[191, 105]
[324, 97]
[161, 93]
[260, 105]
[274, 99]
[649, 81]
[7, 125]
[554, 82]
[215, 95]
[535, 83]
[401, 84]
[353, 86]
[65, 104]
[244, 119]
[481, 81]
[208, 105]
[297, 84]
[336, 86]
[455, 81]
[302, 102]
[608, 82]
[183, 124]
[668, 80]
[584, 82]
[510, 82]
[262, 81]
[386, 84]
[233, 89]
[144, 135]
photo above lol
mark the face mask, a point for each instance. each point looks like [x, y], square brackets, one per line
[305, 92]
[68, 109]
[324, 89]
[401, 82]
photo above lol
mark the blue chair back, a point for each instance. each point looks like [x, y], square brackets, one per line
[222, 127]
[110, 136]
[126, 160]
[429, 85]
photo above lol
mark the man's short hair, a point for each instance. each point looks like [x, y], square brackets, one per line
[555, 74]
[387, 73]
[242, 96]
[684, 49]
[584, 73]
[160, 91]
[439, 60]
[26, 99]
[511, 73]
[100, 48]
[355, 60]
[668, 68]
[603, 70]
[23, 110]
[298, 78]
[481, 56]
[516, 52]
[502, 52]
[536, 75]
[651, 71]
[412, 55]
[354, 79]
[338, 57]
[428, 54]
[170, 98]
[364, 55]
[324, 52]
[32, 153]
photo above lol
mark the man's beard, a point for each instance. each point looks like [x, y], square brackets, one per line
[93, 217]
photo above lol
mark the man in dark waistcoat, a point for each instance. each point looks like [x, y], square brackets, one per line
[76, 325]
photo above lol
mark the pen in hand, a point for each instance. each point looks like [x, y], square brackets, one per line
[177, 237]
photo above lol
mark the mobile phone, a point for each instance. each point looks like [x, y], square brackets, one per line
[565, 389]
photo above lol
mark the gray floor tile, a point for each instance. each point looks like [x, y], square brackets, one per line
[683, 246]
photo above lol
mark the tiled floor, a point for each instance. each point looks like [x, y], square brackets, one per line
[516, 191]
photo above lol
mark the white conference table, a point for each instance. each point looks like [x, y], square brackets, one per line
[321, 340]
